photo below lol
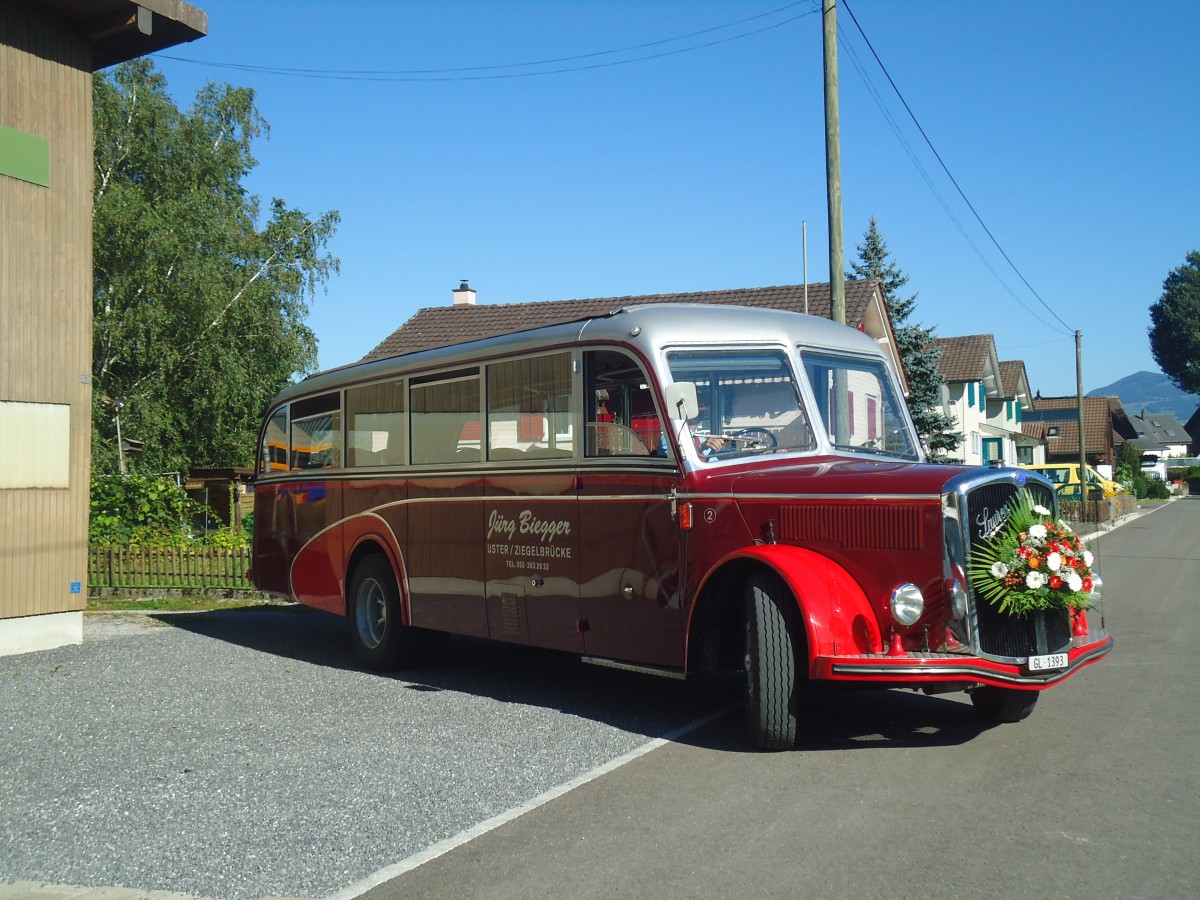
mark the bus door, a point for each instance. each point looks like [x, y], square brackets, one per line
[629, 541]
[532, 537]
[445, 554]
[531, 516]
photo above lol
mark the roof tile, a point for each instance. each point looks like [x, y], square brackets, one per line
[963, 358]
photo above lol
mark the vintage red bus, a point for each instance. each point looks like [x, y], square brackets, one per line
[674, 488]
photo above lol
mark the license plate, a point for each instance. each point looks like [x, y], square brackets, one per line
[1044, 663]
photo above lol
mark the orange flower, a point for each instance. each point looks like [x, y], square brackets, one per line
[1034, 562]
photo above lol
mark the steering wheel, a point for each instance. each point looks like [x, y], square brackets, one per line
[768, 438]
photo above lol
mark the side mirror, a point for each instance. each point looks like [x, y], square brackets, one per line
[681, 400]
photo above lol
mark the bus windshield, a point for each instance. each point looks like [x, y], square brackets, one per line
[748, 401]
[857, 405]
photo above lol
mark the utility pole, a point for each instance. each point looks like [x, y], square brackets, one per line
[1083, 479]
[833, 164]
[804, 241]
[833, 190]
[118, 406]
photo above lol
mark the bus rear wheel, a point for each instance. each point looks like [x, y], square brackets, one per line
[381, 639]
[996, 704]
[775, 653]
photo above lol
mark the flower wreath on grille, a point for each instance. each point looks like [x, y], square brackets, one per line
[1033, 562]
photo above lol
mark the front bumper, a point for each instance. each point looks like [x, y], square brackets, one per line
[917, 669]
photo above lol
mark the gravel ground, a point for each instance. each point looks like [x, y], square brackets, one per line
[242, 754]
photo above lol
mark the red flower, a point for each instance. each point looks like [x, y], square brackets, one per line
[1055, 582]
[1087, 584]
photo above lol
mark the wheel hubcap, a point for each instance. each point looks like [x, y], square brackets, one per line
[370, 613]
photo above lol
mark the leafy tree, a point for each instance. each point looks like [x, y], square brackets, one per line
[200, 297]
[915, 345]
[1175, 326]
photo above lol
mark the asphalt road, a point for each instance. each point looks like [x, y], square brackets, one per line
[242, 755]
[895, 794]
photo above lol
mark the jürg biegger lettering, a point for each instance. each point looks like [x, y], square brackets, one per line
[526, 523]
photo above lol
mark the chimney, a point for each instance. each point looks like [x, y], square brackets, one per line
[463, 295]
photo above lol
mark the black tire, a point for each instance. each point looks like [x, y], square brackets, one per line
[1003, 705]
[381, 639]
[776, 656]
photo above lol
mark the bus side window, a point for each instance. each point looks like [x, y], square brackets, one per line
[621, 420]
[316, 433]
[273, 455]
[529, 408]
[375, 424]
[445, 423]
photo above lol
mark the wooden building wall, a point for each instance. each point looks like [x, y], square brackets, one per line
[45, 319]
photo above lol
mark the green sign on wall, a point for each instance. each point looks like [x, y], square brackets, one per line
[24, 156]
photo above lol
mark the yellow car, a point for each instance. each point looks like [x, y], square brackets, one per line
[1066, 479]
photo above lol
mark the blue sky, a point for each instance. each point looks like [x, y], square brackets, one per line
[1071, 127]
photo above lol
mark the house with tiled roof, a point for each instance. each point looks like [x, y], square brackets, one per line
[1008, 412]
[1158, 433]
[466, 320]
[1055, 420]
[987, 409]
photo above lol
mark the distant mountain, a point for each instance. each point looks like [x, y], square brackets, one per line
[1153, 392]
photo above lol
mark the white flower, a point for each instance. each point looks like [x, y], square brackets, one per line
[1087, 558]
[1074, 582]
[1038, 532]
[1035, 580]
[1053, 562]
[999, 569]
[1041, 510]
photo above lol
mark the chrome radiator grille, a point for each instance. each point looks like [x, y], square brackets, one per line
[1004, 635]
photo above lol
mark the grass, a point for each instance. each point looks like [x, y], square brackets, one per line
[180, 603]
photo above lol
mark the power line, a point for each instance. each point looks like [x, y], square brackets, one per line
[852, 53]
[946, 169]
[464, 73]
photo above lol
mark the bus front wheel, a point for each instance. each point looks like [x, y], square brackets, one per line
[381, 639]
[1004, 705]
[775, 651]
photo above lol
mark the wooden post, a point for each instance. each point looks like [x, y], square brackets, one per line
[833, 164]
[1083, 479]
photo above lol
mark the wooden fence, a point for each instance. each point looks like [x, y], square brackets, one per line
[190, 568]
[1097, 510]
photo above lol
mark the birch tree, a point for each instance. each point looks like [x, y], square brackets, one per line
[200, 293]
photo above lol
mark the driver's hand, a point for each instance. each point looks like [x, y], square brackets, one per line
[715, 443]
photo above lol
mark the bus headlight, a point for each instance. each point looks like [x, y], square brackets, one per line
[907, 604]
[1097, 589]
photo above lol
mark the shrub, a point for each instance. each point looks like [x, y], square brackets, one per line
[1157, 489]
[141, 510]
[228, 538]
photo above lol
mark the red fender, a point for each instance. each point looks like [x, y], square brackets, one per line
[318, 566]
[321, 563]
[838, 618]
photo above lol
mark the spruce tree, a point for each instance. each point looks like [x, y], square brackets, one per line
[914, 344]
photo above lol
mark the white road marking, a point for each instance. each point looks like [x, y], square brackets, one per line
[463, 837]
